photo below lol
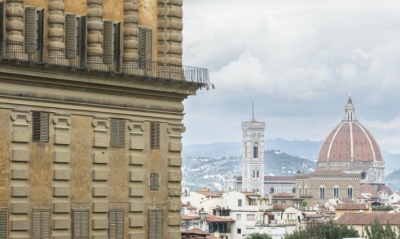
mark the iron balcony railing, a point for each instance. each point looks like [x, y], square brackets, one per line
[90, 61]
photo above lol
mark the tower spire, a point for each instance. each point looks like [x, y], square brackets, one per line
[349, 109]
[253, 111]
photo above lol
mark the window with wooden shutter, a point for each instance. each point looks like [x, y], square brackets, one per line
[3, 224]
[70, 38]
[118, 132]
[154, 181]
[155, 224]
[117, 42]
[41, 224]
[107, 42]
[30, 30]
[83, 40]
[116, 224]
[80, 224]
[2, 28]
[154, 135]
[39, 28]
[145, 48]
[40, 129]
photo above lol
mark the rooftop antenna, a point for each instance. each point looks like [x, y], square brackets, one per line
[253, 111]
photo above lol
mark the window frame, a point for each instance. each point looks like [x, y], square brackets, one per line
[42, 224]
[118, 133]
[154, 181]
[240, 202]
[80, 211]
[117, 223]
[154, 135]
[157, 232]
[41, 129]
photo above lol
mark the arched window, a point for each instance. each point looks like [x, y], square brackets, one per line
[321, 192]
[258, 173]
[350, 192]
[336, 192]
[255, 150]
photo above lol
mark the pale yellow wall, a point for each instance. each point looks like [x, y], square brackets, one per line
[148, 10]
[76, 6]
[5, 145]
[113, 10]
[81, 158]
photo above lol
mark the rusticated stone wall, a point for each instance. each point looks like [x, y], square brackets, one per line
[170, 28]
[56, 21]
[131, 33]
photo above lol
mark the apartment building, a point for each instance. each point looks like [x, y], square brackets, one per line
[91, 113]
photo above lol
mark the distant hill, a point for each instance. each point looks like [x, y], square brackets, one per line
[200, 172]
[304, 149]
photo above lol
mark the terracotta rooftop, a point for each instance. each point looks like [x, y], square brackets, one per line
[189, 217]
[280, 207]
[384, 188]
[210, 194]
[352, 206]
[279, 178]
[367, 188]
[283, 195]
[251, 194]
[367, 218]
[212, 218]
[195, 231]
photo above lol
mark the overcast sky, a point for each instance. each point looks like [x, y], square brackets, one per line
[297, 61]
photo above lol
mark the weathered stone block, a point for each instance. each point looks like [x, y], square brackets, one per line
[137, 160]
[63, 223]
[19, 225]
[19, 191]
[137, 144]
[174, 235]
[61, 207]
[98, 223]
[19, 173]
[175, 147]
[136, 206]
[175, 176]
[174, 191]
[100, 207]
[20, 155]
[62, 157]
[176, 162]
[100, 142]
[61, 175]
[137, 176]
[61, 191]
[136, 191]
[100, 175]
[174, 220]
[175, 206]
[100, 192]
[99, 236]
[19, 208]
[62, 139]
[136, 222]
[138, 235]
[100, 158]
[21, 136]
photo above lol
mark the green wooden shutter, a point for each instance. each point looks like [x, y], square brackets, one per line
[156, 181]
[3, 224]
[108, 39]
[80, 224]
[121, 133]
[149, 47]
[40, 37]
[30, 29]
[41, 225]
[2, 29]
[36, 126]
[114, 132]
[154, 135]
[44, 127]
[70, 38]
[85, 224]
[155, 224]
[83, 41]
[116, 224]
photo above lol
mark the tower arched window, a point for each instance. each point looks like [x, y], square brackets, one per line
[321, 192]
[255, 150]
[350, 192]
[336, 192]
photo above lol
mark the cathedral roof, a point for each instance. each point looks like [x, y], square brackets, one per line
[350, 141]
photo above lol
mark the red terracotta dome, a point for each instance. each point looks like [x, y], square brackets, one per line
[350, 141]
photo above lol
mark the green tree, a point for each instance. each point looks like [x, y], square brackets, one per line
[326, 230]
[375, 230]
[258, 236]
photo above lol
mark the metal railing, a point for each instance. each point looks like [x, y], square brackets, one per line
[90, 61]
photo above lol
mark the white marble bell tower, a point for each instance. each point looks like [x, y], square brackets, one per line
[253, 156]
